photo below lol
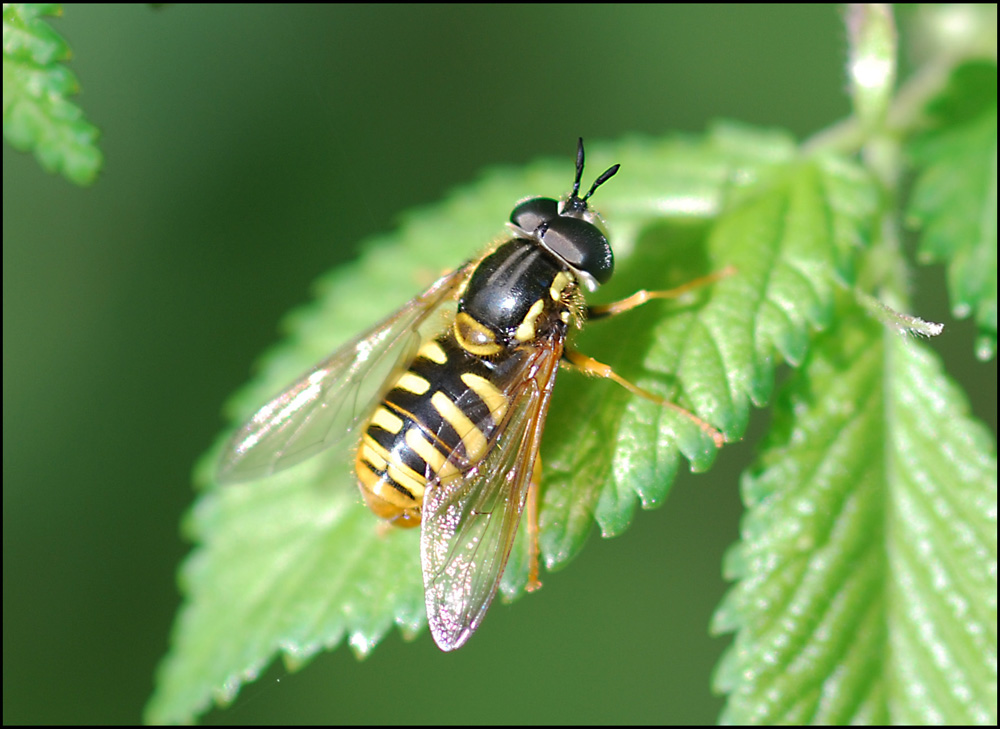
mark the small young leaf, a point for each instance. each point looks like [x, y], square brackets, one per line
[867, 566]
[37, 114]
[955, 198]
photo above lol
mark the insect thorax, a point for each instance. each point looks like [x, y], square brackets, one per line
[517, 294]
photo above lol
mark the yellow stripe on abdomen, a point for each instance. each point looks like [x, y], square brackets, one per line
[472, 438]
[437, 461]
[495, 400]
[382, 474]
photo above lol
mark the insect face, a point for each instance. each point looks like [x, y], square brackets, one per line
[571, 230]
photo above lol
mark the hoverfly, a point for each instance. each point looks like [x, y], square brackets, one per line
[447, 424]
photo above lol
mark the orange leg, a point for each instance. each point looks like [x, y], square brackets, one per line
[641, 297]
[532, 507]
[590, 366]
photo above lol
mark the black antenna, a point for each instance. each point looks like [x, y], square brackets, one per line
[579, 167]
[605, 176]
[574, 196]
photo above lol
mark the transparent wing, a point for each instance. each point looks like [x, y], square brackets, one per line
[468, 523]
[326, 405]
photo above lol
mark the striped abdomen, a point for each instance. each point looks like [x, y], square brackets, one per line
[437, 420]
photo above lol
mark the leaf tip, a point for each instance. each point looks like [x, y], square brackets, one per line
[362, 645]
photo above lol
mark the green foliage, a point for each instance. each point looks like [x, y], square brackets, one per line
[954, 202]
[865, 593]
[866, 571]
[784, 236]
[37, 114]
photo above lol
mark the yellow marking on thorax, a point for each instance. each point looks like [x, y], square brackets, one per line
[560, 282]
[472, 437]
[432, 350]
[526, 329]
[413, 383]
[387, 420]
[495, 400]
[473, 337]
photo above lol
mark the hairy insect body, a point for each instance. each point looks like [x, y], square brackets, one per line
[444, 410]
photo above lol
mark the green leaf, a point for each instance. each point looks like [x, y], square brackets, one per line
[37, 114]
[296, 563]
[787, 238]
[867, 566]
[954, 201]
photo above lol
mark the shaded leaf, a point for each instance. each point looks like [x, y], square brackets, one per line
[954, 201]
[37, 114]
[867, 566]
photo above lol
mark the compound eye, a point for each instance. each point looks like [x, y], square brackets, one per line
[581, 245]
[532, 213]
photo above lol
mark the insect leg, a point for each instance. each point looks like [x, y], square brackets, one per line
[532, 508]
[590, 366]
[642, 296]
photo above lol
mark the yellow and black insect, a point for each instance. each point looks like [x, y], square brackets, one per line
[448, 411]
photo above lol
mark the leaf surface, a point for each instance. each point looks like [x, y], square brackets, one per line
[867, 567]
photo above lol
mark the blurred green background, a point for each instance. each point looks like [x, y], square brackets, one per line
[248, 149]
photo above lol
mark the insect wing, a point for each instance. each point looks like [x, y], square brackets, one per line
[326, 405]
[469, 523]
